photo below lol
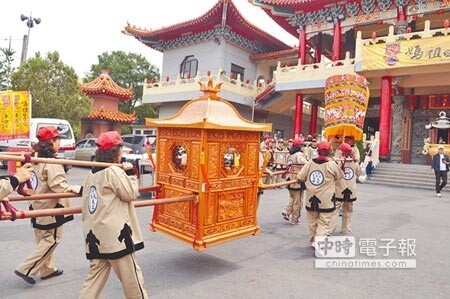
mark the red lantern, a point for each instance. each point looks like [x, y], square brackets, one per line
[208, 73]
[380, 22]
[445, 100]
[408, 30]
[167, 78]
[424, 102]
[412, 102]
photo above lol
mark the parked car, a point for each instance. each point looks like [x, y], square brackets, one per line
[139, 142]
[67, 143]
[85, 150]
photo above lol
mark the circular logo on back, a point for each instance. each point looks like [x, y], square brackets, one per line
[316, 177]
[92, 200]
[34, 181]
[348, 173]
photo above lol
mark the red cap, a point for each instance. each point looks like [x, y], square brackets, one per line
[267, 136]
[345, 147]
[297, 141]
[108, 140]
[47, 133]
[324, 146]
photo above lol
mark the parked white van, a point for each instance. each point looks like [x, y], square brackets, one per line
[67, 145]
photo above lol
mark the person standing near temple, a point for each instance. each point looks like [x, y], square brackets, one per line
[440, 169]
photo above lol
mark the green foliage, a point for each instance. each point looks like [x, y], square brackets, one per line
[125, 129]
[145, 110]
[54, 89]
[6, 68]
[127, 70]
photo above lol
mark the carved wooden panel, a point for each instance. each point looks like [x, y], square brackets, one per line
[179, 210]
[213, 158]
[210, 209]
[235, 135]
[192, 185]
[193, 134]
[161, 157]
[231, 205]
[164, 132]
[253, 159]
[177, 181]
[233, 183]
[180, 226]
[163, 178]
[195, 160]
[215, 135]
[251, 201]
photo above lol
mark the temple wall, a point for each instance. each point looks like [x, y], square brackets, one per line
[208, 55]
[239, 57]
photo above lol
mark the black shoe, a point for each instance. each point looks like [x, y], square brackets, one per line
[28, 279]
[54, 274]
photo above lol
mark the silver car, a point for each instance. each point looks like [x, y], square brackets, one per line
[85, 150]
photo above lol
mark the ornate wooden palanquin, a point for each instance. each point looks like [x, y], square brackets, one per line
[208, 149]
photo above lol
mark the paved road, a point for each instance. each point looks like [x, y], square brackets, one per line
[275, 264]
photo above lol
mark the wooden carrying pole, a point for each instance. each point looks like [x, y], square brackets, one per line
[276, 185]
[58, 161]
[155, 188]
[77, 210]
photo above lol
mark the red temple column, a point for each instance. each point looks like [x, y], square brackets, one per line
[298, 116]
[302, 45]
[337, 41]
[313, 119]
[385, 116]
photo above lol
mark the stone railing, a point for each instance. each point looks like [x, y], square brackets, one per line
[315, 74]
[166, 86]
[391, 37]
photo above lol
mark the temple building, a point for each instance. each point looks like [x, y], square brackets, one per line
[105, 115]
[402, 47]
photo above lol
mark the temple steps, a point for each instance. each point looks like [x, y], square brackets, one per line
[403, 175]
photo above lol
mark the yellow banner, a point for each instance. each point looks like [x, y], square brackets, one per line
[14, 114]
[406, 53]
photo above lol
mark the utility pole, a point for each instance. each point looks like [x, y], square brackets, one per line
[30, 24]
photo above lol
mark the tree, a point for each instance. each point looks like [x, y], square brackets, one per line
[128, 70]
[54, 89]
[6, 68]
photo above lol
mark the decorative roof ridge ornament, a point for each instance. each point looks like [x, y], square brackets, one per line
[442, 122]
[209, 90]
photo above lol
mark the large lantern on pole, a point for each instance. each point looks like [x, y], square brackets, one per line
[346, 100]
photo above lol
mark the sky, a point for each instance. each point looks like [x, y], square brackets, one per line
[81, 30]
